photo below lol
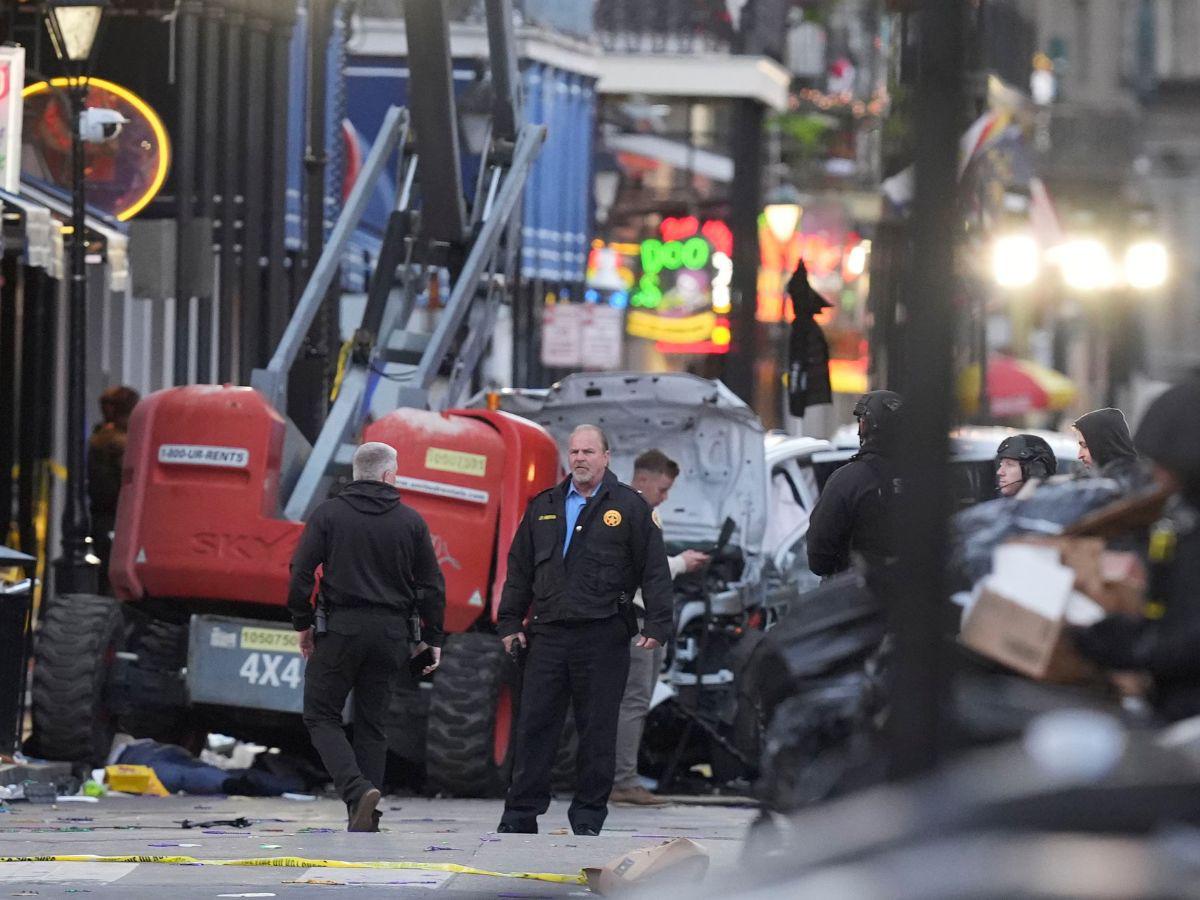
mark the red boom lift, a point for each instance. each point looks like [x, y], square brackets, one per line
[217, 482]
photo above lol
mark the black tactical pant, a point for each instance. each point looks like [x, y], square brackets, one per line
[585, 664]
[362, 651]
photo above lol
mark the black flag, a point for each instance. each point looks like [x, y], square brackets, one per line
[808, 352]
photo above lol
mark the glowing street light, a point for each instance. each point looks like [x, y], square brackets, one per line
[1087, 265]
[1147, 265]
[1015, 262]
[783, 213]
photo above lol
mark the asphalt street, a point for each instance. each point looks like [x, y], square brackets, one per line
[414, 830]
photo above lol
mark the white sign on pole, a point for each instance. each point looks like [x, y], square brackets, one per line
[561, 335]
[12, 83]
[603, 337]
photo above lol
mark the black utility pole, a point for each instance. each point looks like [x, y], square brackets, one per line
[75, 26]
[188, 49]
[919, 590]
[745, 206]
[253, 345]
[278, 293]
[77, 572]
[308, 392]
[316, 157]
[229, 363]
[210, 117]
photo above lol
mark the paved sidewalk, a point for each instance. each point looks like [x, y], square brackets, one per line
[414, 830]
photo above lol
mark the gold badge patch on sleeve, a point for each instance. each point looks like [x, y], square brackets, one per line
[656, 518]
[612, 518]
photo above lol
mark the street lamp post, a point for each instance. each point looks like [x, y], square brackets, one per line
[74, 26]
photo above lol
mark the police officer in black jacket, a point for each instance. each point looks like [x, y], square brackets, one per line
[853, 513]
[579, 555]
[379, 567]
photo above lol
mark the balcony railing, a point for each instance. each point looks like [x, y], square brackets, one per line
[689, 26]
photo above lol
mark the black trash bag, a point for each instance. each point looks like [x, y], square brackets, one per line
[990, 705]
[812, 694]
[831, 629]
[979, 529]
[824, 742]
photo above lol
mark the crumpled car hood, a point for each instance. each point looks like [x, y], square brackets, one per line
[716, 439]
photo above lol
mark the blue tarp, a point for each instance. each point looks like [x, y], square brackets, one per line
[558, 194]
[557, 199]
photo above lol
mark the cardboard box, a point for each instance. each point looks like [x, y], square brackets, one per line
[1084, 556]
[1114, 579]
[676, 862]
[1026, 641]
[1020, 614]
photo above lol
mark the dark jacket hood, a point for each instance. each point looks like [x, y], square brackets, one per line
[1170, 434]
[1107, 435]
[371, 497]
[881, 411]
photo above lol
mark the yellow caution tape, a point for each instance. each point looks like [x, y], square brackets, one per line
[299, 862]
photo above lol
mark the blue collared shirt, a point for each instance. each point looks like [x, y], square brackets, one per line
[575, 504]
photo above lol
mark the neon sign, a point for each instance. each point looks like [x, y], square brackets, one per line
[659, 256]
[124, 174]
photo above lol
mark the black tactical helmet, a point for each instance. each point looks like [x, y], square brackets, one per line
[879, 409]
[1034, 454]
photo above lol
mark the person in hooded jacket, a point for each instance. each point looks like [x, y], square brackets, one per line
[378, 567]
[1166, 642]
[853, 512]
[1106, 448]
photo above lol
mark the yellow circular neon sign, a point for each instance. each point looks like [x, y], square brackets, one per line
[159, 153]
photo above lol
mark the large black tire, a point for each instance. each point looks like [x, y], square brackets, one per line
[468, 744]
[407, 721]
[77, 641]
[159, 709]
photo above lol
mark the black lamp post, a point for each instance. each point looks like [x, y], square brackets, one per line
[74, 26]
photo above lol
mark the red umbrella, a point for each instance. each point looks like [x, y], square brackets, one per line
[1016, 387]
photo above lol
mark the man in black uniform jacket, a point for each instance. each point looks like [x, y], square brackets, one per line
[379, 564]
[852, 513]
[581, 552]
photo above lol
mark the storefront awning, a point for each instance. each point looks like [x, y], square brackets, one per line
[674, 154]
[695, 75]
[42, 238]
[116, 241]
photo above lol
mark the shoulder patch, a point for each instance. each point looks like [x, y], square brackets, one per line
[656, 518]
